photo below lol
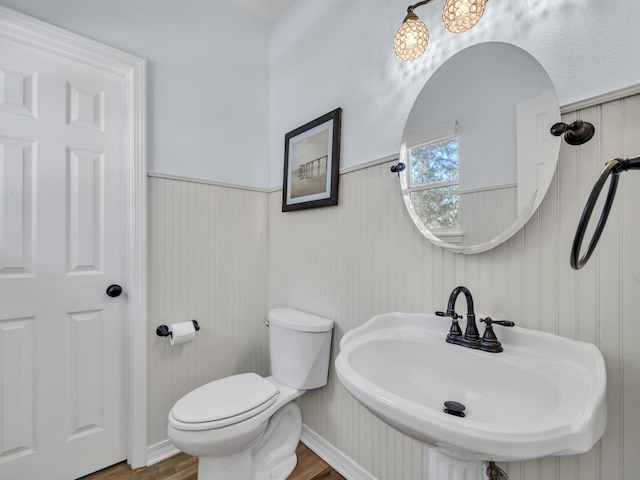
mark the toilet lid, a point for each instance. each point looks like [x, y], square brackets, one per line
[226, 401]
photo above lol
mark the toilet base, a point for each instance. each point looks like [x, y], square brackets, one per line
[274, 457]
[271, 457]
[237, 466]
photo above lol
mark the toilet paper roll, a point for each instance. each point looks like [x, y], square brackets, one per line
[181, 333]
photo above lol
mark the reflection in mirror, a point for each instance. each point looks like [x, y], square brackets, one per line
[477, 147]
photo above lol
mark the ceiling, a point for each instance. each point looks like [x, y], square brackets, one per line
[267, 9]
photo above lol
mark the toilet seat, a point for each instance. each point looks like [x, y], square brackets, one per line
[223, 402]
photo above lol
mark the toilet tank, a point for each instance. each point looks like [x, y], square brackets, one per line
[300, 344]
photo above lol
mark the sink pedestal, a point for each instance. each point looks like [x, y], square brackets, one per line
[442, 466]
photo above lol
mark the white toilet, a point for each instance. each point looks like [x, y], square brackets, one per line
[246, 427]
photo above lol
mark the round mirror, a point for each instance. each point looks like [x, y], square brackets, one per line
[478, 153]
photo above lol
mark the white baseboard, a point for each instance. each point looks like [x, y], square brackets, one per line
[327, 452]
[334, 457]
[160, 451]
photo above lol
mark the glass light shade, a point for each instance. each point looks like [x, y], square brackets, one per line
[461, 15]
[411, 39]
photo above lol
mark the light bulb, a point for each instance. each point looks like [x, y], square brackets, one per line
[461, 15]
[411, 39]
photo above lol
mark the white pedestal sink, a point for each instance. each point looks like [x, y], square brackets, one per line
[543, 395]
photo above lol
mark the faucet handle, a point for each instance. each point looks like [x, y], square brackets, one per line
[455, 329]
[489, 337]
[490, 321]
[505, 323]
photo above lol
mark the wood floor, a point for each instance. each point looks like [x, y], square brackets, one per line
[184, 467]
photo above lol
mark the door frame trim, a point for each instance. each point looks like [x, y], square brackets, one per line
[44, 36]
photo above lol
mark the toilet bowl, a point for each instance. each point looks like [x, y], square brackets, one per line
[246, 427]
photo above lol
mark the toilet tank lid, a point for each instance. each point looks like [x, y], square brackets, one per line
[292, 319]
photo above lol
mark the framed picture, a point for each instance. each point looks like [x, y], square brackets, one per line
[312, 163]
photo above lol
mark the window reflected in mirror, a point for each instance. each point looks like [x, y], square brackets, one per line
[434, 182]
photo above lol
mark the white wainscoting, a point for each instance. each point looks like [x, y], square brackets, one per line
[208, 260]
[365, 257]
[485, 213]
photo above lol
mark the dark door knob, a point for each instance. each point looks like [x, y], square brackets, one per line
[114, 290]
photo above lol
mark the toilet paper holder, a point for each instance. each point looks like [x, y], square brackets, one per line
[163, 330]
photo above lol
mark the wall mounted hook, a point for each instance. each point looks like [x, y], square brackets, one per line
[575, 133]
[399, 167]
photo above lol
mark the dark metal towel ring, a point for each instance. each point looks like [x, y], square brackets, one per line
[613, 168]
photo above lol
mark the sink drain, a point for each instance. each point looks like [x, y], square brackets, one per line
[454, 408]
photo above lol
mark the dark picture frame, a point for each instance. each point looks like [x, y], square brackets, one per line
[312, 163]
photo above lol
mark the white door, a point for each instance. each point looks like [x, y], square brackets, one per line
[62, 243]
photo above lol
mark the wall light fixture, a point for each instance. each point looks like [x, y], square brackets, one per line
[458, 16]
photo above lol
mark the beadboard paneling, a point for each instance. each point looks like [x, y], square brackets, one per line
[365, 257]
[485, 213]
[208, 260]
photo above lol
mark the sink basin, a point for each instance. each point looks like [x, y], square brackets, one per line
[543, 395]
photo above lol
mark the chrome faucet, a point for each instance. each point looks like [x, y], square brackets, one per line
[471, 338]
